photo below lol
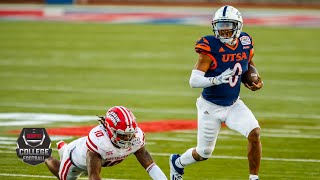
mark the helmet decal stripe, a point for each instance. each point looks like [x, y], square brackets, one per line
[128, 115]
[224, 11]
[123, 111]
[125, 117]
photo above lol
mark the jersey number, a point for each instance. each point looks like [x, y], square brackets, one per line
[98, 133]
[234, 79]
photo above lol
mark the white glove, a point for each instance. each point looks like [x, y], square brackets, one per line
[222, 78]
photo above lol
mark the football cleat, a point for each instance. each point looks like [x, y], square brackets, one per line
[253, 177]
[175, 172]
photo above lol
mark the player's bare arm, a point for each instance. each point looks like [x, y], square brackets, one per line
[204, 62]
[144, 157]
[53, 165]
[147, 162]
[94, 165]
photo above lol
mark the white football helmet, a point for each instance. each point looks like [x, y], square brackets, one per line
[227, 18]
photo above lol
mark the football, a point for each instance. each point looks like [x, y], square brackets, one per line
[250, 76]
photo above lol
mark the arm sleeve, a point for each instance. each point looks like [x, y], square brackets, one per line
[155, 172]
[197, 80]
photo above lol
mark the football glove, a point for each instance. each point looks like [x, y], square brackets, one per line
[222, 78]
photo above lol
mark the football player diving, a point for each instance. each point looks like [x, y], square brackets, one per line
[107, 144]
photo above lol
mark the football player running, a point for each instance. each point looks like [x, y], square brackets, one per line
[107, 144]
[223, 58]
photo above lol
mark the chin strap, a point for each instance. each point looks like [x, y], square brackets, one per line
[232, 43]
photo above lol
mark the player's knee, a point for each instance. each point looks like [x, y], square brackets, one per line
[254, 135]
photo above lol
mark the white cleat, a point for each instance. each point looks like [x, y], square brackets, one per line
[175, 172]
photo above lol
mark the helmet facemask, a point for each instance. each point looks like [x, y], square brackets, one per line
[122, 138]
[227, 30]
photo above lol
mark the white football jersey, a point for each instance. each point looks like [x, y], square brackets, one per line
[98, 141]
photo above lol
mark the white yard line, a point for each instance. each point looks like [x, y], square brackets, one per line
[245, 158]
[101, 91]
[169, 139]
[302, 127]
[8, 138]
[149, 93]
[23, 119]
[7, 142]
[8, 147]
[147, 55]
[228, 157]
[271, 134]
[8, 152]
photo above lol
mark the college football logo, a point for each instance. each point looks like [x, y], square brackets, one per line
[33, 137]
[33, 145]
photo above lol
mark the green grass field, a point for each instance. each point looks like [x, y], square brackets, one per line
[82, 69]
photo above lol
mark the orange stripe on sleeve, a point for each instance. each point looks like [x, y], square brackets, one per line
[203, 46]
[205, 40]
[215, 63]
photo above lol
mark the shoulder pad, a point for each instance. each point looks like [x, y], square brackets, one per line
[93, 142]
[202, 45]
[140, 138]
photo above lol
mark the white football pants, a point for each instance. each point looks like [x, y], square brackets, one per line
[237, 117]
[67, 170]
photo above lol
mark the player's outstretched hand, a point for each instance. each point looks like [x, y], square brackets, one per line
[223, 77]
[255, 86]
